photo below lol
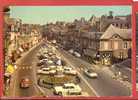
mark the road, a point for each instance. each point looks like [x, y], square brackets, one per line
[25, 68]
[83, 84]
[104, 85]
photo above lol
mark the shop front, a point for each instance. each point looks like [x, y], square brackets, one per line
[106, 57]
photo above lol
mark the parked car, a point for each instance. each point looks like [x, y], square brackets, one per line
[25, 83]
[39, 71]
[71, 51]
[90, 73]
[67, 88]
[52, 67]
[52, 72]
[56, 47]
[46, 69]
[72, 94]
[70, 72]
[44, 60]
[77, 54]
[41, 57]
[60, 68]
[40, 63]
[50, 62]
[67, 68]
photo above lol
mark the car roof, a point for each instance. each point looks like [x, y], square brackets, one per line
[69, 84]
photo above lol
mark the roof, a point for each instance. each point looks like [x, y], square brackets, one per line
[92, 35]
[69, 84]
[112, 30]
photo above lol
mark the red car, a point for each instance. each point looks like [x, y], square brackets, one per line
[25, 83]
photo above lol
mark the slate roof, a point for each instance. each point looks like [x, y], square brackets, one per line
[112, 30]
[92, 35]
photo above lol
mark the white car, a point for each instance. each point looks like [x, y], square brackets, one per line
[52, 72]
[43, 72]
[77, 54]
[72, 94]
[46, 55]
[56, 47]
[70, 72]
[90, 73]
[71, 51]
[67, 88]
[67, 68]
[46, 69]
[49, 61]
[54, 41]
[52, 67]
[39, 71]
[60, 68]
[44, 60]
[50, 53]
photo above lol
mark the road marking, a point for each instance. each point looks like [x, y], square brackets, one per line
[81, 76]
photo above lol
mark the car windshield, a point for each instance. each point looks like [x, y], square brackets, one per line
[90, 71]
[68, 87]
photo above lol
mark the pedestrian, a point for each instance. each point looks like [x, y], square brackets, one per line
[78, 79]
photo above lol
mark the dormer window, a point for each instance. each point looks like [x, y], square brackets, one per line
[115, 36]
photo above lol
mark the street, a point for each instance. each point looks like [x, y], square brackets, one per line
[104, 85]
[25, 68]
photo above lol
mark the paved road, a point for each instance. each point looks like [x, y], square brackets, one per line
[104, 85]
[83, 84]
[25, 68]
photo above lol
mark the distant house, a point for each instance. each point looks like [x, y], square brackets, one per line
[114, 44]
[123, 22]
[91, 42]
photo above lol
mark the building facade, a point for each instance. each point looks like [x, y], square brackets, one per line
[115, 44]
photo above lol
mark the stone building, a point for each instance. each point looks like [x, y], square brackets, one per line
[123, 22]
[115, 44]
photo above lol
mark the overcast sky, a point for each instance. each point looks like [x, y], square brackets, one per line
[46, 14]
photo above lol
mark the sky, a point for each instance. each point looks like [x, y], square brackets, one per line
[46, 14]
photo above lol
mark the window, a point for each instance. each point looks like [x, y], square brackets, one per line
[105, 45]
[125, 45]
[115, 45]
[116, 36]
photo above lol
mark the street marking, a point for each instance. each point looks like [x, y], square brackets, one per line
[81, 77]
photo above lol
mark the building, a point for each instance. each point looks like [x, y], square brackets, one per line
[91, 43]
[123, 22]
[115, 44]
